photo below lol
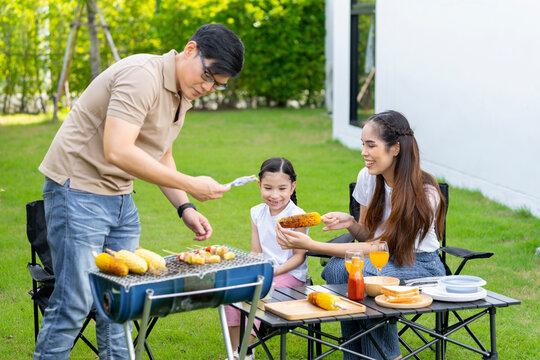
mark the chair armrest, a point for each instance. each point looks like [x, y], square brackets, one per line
[344, 238]
[41, 295]
[465, 253]
[38, 273]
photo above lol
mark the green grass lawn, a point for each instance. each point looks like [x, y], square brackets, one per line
[228, 144]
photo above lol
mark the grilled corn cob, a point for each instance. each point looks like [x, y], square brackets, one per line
[325, 301]
[110, 265]
[156, 263]
[135, 263]
[302, 220]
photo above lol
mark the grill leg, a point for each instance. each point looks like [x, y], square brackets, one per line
[129, 340]
[256, 296]
[144, 323]
[225, 330]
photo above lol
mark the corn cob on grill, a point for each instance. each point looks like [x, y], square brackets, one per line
[135, 263]
[302, 220]
[156, 263]
[325, 301]
[110, 265]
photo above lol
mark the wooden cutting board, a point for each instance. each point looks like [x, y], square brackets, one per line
[303, 309]
[424, 301]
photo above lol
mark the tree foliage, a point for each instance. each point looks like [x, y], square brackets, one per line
[284, 42]
[23, 57]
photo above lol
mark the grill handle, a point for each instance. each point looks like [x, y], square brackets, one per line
[204, 291]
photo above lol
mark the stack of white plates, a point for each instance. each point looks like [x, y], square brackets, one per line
[457, 288]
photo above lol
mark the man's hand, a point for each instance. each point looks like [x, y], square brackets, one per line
[197, 223]
[205, 188]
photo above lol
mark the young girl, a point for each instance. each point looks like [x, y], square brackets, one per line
[399, 203]
[277, 181]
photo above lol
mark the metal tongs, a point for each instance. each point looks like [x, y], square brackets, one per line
[424, 282]
[242, 180]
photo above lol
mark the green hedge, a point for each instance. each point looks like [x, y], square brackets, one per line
[284, 43]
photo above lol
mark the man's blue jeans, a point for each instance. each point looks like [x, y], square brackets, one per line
[78, 223]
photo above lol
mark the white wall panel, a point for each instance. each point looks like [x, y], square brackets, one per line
[467, 76]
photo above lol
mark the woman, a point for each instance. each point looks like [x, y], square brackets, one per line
[400, 204]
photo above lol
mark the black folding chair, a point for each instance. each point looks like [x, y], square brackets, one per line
[464, 254]
[43, 275]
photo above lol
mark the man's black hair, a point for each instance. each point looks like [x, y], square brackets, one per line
[220, 44]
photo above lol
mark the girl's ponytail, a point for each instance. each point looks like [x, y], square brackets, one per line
[293, 197]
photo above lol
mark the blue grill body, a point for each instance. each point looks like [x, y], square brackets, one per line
[120, 299]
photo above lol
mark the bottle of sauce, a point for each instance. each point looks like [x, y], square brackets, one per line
[356, 280]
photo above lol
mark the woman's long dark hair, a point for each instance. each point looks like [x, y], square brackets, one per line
[411, 214]
[279, 164]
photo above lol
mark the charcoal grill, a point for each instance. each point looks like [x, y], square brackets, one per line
[184, 288]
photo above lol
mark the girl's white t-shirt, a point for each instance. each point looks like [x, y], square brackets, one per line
[363, 192]
[266, 227]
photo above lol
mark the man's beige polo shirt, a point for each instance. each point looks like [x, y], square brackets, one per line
[140, 89]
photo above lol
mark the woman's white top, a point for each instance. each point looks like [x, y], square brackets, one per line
[266, 227]
[363, 192]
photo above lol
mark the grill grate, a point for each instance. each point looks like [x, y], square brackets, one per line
[179, 269]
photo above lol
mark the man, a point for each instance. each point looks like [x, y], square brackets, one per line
[122, 128]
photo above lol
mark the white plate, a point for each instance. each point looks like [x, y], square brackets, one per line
[439, 293]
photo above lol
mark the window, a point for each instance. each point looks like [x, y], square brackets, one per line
[362, 85]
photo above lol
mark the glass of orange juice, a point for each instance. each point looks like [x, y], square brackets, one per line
[379, 255]
[354, 260]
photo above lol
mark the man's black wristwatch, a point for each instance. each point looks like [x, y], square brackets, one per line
[183, 207]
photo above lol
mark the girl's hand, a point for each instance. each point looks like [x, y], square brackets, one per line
[290, 239]
[337, 221]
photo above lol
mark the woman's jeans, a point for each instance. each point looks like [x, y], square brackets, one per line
[79, 223]
[426, 264]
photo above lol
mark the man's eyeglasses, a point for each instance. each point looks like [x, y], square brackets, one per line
[208, 77]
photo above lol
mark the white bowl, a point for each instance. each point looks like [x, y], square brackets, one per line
[373, 284]
[461, 284]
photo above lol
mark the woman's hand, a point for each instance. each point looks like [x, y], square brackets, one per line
[337, 221]
[290, 239]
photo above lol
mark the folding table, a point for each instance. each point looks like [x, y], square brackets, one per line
[439, 336]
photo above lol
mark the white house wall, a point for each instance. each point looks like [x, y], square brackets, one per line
[340, 11]
[467, 76]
